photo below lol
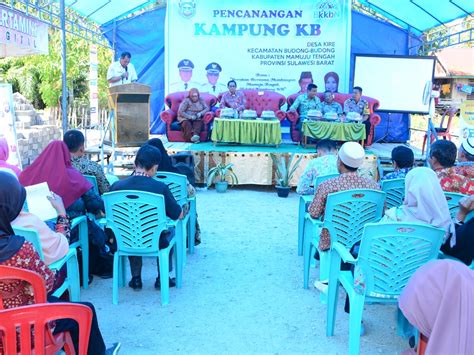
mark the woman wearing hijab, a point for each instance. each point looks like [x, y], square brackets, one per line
[54, 166]
[424, 202]
[4, 154]
[190, 114]
[166, 166]
[16, 252]
[439, 301]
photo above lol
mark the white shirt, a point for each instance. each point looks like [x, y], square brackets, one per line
[182, 86]
[213, 89]
[116, 69]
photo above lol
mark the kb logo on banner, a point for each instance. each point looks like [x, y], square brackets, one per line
[327, 10]
[187, 8]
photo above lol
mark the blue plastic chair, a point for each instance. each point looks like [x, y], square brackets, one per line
[453, 202]
[137, 219]
[178, 185]
[83, 243]
[389, 254]
[304, 200]
[72, 282]
[395, 192]
[345, 215]
[111, 178]
[92, 179]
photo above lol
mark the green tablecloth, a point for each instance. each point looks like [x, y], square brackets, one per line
[246, 131]
[337, 131]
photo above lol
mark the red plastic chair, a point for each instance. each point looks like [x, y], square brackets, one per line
[39, 315]
[440, 131]
[16, 324]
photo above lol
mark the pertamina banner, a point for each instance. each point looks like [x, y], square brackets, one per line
[266, 44]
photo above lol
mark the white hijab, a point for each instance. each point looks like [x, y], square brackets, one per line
[425, 201]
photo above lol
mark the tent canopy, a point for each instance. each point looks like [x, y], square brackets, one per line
[105, 11]
[421, 15]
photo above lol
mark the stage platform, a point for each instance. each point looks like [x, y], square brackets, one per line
[253, 164]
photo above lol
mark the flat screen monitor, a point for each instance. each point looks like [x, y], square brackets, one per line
[398, 82]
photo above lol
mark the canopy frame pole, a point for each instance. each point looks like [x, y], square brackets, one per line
[62, 14]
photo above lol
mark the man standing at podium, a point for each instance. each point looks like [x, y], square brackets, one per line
[122, 71]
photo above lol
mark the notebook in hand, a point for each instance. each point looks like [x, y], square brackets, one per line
[38, 203]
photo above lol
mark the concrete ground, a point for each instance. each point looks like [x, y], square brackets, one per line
[242, 291]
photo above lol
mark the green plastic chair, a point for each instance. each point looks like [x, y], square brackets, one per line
[93, 180]
[453, 202]
[389, 254]
[72, 282]
[137, 219]
[83, 243]
[304, 200]
[178, 185]
[395, 192]
[345, 215]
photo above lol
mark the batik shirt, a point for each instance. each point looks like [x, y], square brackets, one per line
[465, 170]
[343, 182]
[324, 165]
[236, 101]
[397, 174]
[334, 106]
[452, 182]
[303, 104]
[89, 167]
[361, 107]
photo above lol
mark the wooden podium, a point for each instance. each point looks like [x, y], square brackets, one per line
[131, 105]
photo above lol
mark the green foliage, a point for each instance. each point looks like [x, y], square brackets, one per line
[285, 171]
[38, 77]
[220, 173]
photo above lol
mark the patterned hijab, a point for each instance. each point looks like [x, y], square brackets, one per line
[12, 198]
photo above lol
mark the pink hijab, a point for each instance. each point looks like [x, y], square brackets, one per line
[54, 167]
[4, 154]
[439, 301]
[425, 201]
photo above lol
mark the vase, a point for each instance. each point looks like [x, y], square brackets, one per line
[283, 191]
[221, 186]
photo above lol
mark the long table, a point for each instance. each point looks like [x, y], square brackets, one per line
[230, 130]
[338, 131]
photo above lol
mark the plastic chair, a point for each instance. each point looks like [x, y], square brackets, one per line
[345, 215]
[111, 179]
[453, 202]
[83, 243]
[137, 219]
[389, 254]
[71, 282]
[178, 185]
[304, 200]
[32, 278]
[21, 322]
[93, 180]
[395, 192]
[445, 133]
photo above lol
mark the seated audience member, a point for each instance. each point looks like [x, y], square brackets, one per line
[403, 160]
[306, 78]
[306, 102]
[442, 159]
[424, 202]
[324, 164]
[350, 157]
[360, 106]
[166, 166]
[461, 244]
[4, 154]
[465, 165]
[190, 114]
[233, 98]
[146, 165]
[74, 140]
[438, 300]
[16, 252]
[54, 166]
[331, 82]
[329, 105]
